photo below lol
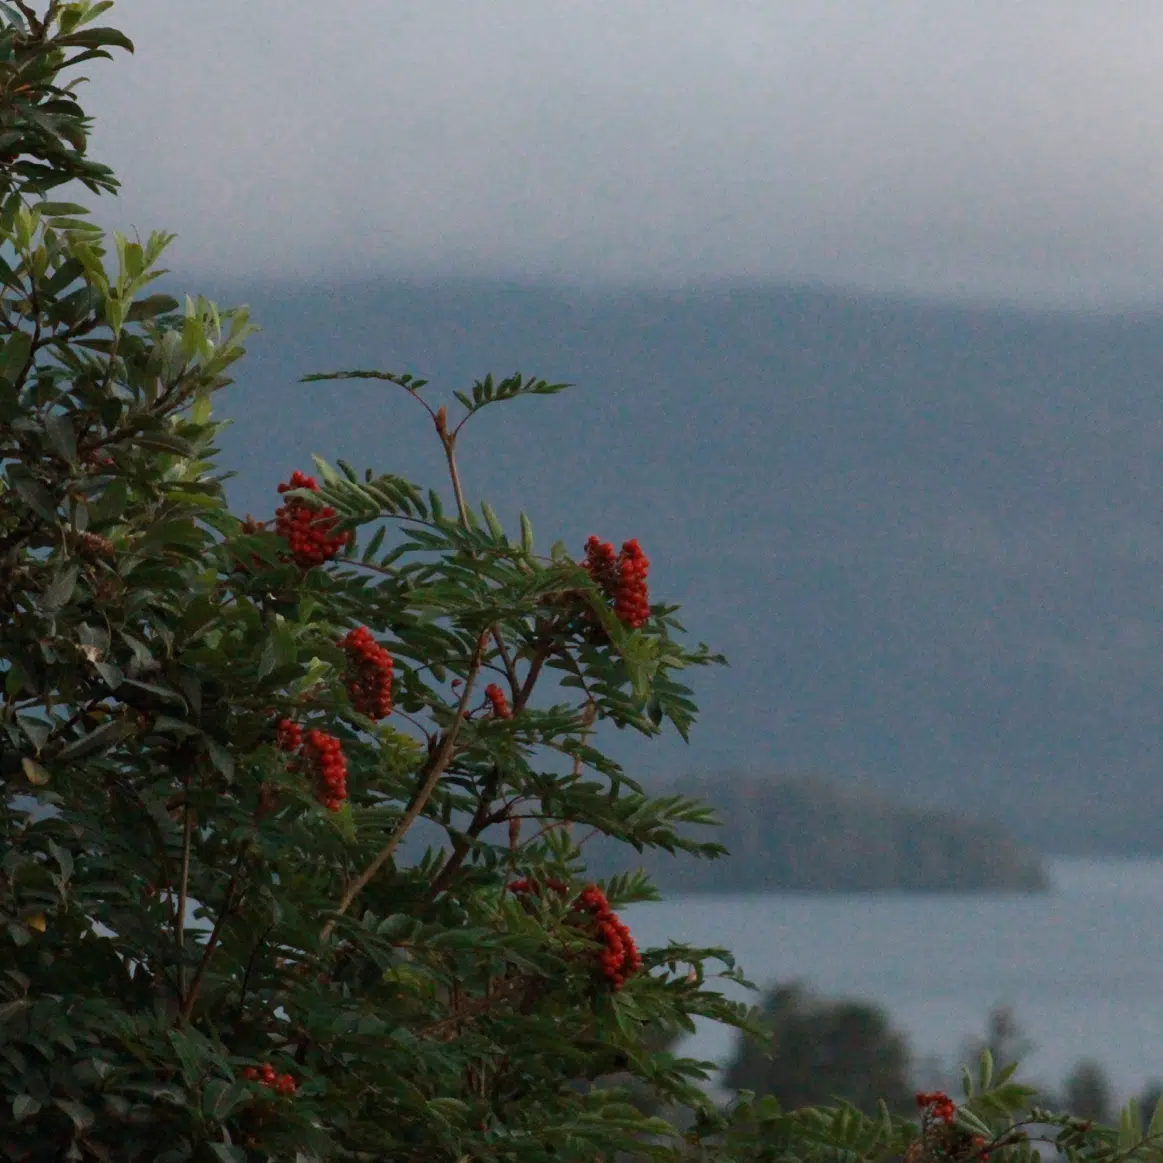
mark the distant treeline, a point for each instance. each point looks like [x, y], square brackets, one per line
[806, 833]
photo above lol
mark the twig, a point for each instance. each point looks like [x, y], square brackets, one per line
[187, 1005]
[460, 848]
[474, 1008]
[184, 886]
[448, 441]
[250, 967]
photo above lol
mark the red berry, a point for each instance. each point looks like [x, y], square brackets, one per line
[309, 532]
[325, 759]
[500, 704]
[619, 958]
[631, 601]
[288, 735]
[369, 681]
[622, 578]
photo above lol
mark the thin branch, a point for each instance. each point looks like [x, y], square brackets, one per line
[250, 967]
[449, 443]
[184, 885]
[588, 716]
[510, 670]
[187, 1006]
[433, 770]
[460, 848]
[474, 1008]
[535, 666]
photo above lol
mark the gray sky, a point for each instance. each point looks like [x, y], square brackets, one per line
[986, 147]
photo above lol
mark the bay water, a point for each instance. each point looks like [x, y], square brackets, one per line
[1081, 966]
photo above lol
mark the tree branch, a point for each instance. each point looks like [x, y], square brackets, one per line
[184, 885]
[432, 772]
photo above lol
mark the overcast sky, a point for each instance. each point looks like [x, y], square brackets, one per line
[985, 147]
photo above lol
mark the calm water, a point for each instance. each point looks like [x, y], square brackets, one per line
[1082, 966]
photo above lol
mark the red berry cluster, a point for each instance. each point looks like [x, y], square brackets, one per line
[524, 885]
[622, 577]
[324, 757]
[602, 563]
[500, 704]
[281, 1083]
[288, 735]
[620, 958]
[936, 1104]
[309, 532]
[632, 601]
[325, 754]
[369, 681]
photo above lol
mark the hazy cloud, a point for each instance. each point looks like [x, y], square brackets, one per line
[978, 146]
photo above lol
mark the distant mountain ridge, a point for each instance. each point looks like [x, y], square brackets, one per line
[927, 536]
[810, 834]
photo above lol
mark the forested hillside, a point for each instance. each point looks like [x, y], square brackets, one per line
[927, 537]
[812, 834]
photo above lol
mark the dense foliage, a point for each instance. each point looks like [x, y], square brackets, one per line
[216, 732]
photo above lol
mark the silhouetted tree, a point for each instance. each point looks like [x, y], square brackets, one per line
[1149, 1099]
[1004, 1038]
[821, 1050]
[1087, 1092]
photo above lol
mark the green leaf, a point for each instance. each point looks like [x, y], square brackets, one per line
[221, 1097]
[112, 503]
[109, 733]
[375, 543]
[55, 209]
[985, 1070]
[14, 355]
[60, 589]
[35, 496]
[1155, 1127]
[221, 758]
[82, 1116]
[1129, 1125]
[96, 38]
[202, 408]
[228, 1153]
[36, 774]
[64, 859]
[526, 534]
[110, 672]
[24, 1106]
[150, 307]
[267, 660]
[59, 429]
[162, 692]
[495, 527]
